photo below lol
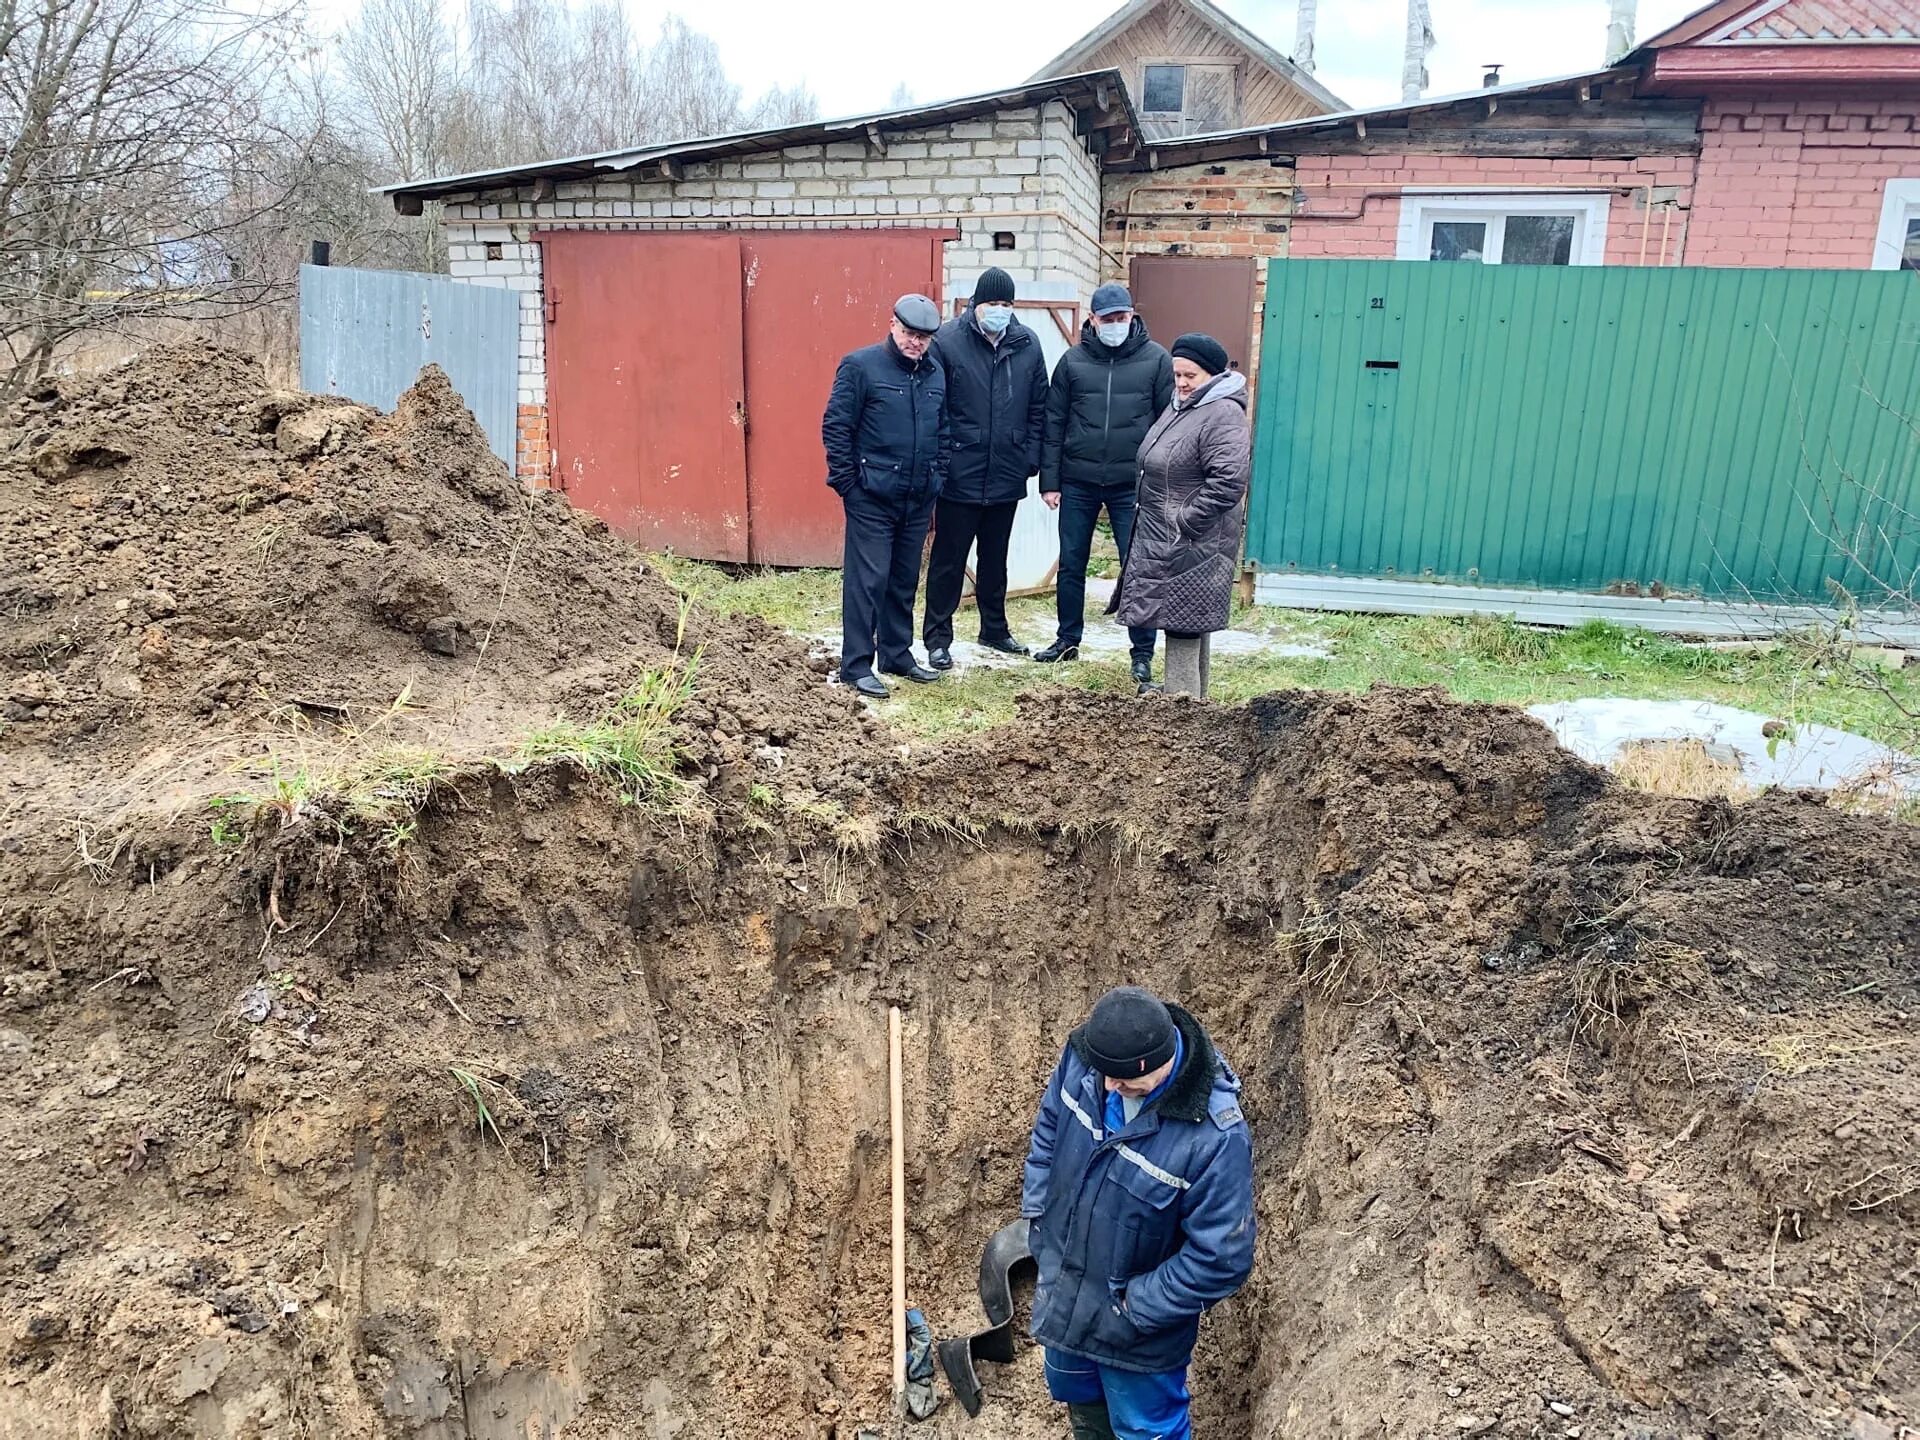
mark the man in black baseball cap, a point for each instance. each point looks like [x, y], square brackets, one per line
[1139, 1190]
[885, 430]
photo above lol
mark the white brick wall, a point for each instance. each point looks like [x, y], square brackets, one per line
[1024, 171]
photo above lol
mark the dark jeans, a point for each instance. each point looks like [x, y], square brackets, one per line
[1079, 512]
[878, 579]
[956, 525]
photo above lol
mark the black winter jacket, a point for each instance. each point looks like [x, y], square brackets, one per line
[996, 410]
[1102, 404]
[885, 426]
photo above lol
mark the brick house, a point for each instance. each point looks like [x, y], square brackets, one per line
[763, 257]
[1780, 134]
[1783, 134]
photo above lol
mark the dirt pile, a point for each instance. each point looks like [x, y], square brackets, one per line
[1575, 1110]
[193, 565]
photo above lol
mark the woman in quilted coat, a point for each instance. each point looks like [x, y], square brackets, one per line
[1192, 490]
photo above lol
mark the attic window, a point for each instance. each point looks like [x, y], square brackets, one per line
[1165, 90]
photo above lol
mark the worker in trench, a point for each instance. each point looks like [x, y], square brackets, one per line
[1139, 1194]
[996, 410]
[887, 441]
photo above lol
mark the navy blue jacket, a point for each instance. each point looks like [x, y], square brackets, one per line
[996, 410]
[885, 428]
[1138, 1231]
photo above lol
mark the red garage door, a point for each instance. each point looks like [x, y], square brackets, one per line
[646, 399]
[686, 373]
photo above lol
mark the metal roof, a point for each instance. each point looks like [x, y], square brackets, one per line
[1794, 22]
[1803, 21]
[1100, 90]
[1348, 117]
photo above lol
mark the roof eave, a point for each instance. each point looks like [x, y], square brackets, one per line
[1291, 129]
[1103, 89]
[1691, 70]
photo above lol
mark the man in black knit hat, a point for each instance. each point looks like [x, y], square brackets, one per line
[1139, 1190]
[996, 412]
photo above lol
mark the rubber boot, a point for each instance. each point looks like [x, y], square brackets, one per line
[1090, 1422]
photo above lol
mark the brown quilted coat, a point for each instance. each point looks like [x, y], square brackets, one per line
[1192, 490]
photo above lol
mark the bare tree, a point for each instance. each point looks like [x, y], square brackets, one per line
[135, 129]
[784, 106]
[399, 63]
[687, 86]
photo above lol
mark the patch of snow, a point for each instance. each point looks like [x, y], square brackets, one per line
[1815, 756]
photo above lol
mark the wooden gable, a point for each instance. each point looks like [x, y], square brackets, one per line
[1223, 76]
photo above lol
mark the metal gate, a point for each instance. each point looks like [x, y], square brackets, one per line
[365, 334]
[1729, 433]
[687, 372]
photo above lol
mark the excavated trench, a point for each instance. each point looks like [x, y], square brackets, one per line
[522, 1110]
[1510, 1152]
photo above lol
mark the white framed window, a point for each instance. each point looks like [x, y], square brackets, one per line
[1503, 227]
[1897, 245]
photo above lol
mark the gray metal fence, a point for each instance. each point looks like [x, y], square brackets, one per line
[365, 334]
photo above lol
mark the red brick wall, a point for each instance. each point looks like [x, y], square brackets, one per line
[534, 455]
[1798, 184]
[1235, 208]
[1345, 185]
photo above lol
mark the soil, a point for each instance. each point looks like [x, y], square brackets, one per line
[544, 1114]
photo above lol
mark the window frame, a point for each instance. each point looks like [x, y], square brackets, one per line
[1899, 208]
[1421, 206]
[1150, 65]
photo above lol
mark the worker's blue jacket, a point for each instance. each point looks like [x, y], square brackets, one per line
[1139, 1230]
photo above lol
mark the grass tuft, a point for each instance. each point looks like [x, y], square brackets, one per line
[633, 744]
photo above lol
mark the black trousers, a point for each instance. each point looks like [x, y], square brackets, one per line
[1079, 513]
[878, 579]
[956, 527]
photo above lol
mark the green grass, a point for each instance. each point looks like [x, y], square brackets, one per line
[1480, 659]
[633, 744]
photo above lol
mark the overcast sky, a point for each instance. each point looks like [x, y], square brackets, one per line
[854, 52]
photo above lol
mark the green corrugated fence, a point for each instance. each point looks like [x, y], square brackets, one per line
[1731, 433]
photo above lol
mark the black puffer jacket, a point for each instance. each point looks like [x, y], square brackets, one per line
[996, 410]
[885, 426]
[1102, 403]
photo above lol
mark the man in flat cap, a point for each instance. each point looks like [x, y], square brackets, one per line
[887, 444]
[1139, 1189]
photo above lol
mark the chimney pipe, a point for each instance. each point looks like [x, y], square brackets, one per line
[1620, 30]
[1308, 23]
[1492, 77]
[1420, 42]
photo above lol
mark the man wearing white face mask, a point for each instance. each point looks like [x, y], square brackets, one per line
[996, 410]
[1107, 392]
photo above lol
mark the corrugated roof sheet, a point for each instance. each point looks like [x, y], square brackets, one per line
[1829, 21]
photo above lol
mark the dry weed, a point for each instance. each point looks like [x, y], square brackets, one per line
[1686, 768]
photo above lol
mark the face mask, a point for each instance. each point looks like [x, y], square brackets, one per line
[994, 319]
[1115, 335]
